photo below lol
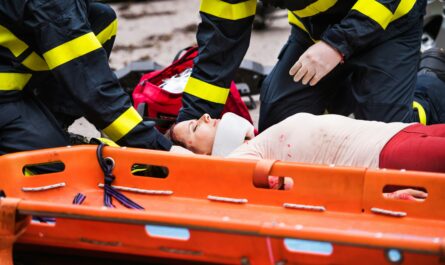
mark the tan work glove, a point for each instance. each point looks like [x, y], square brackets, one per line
[315, 63]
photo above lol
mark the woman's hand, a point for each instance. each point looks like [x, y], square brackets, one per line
[315, 63]
[280, 183]
[250, 134]
[407, 194]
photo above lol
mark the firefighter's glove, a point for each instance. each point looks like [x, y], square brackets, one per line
[315, 63]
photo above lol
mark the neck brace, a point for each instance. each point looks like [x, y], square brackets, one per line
[231, 133]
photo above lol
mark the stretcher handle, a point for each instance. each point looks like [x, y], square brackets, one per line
[261, 173]
[317, 232]
[11, 227]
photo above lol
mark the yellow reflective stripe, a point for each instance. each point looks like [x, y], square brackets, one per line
[35, 62]
[138, 170]
[108, 142]
[108, 32]
[421, 111]
[206, 91]
[375, 11]
[27, 172]
[71, 50]
[295, 21]
[123, 124]
[225, 10]
[13, 81]
[315, 8]
[404, 7]
[11, 42]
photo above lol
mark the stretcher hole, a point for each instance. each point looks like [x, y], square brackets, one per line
[42, 220]
[399, 192]
[146, 170]
[394, 256]
[308, 246]
[43, 168]
[168, 232]
[274, 183]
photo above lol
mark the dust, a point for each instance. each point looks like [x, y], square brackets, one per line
[148, 42]
[191, 28]
[130, 15]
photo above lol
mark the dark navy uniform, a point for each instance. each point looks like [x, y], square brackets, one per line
[378, 39]
[60, 47]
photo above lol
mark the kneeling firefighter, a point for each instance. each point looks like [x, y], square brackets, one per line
[60, 49]
[349, 56]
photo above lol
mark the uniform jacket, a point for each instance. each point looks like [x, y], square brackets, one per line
[53, 37]
[349, 26]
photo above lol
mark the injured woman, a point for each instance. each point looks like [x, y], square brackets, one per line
[325, 139]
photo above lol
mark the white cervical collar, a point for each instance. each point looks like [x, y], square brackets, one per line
[230, 133]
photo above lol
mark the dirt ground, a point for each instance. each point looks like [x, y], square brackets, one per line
[157, 29]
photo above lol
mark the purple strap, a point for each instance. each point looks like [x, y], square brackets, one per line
[79, 198]
[109, 191]
[127, 202]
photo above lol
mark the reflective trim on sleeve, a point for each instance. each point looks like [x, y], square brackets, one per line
[421, 111]
[17, 47]
[221, 9]
[108, 142]
[123, 124]
[404, 7]
[206, 91]
[375, 11]
[108, 32]
[71, 50]
[35, 62]
[11, 42]
[315, 8]
[295, 21]
[13, 81]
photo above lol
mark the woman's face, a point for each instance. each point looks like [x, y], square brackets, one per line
[197, 135]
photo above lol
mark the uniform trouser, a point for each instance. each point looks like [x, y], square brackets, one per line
[430, 92]
[375, 84]
[26, 124]
[55, 97]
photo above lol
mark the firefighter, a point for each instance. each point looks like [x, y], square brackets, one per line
[62, 47]
[365, 50]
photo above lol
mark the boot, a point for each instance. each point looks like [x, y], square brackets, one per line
[430, 87]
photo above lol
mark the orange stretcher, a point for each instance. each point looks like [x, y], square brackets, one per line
[207, 209]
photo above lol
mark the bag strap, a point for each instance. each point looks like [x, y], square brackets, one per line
[160, 122]
[142, 109]
[181, 56]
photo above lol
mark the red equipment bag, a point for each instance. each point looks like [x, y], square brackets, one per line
[161, 106]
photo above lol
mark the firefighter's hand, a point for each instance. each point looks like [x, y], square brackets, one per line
[315, 63]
